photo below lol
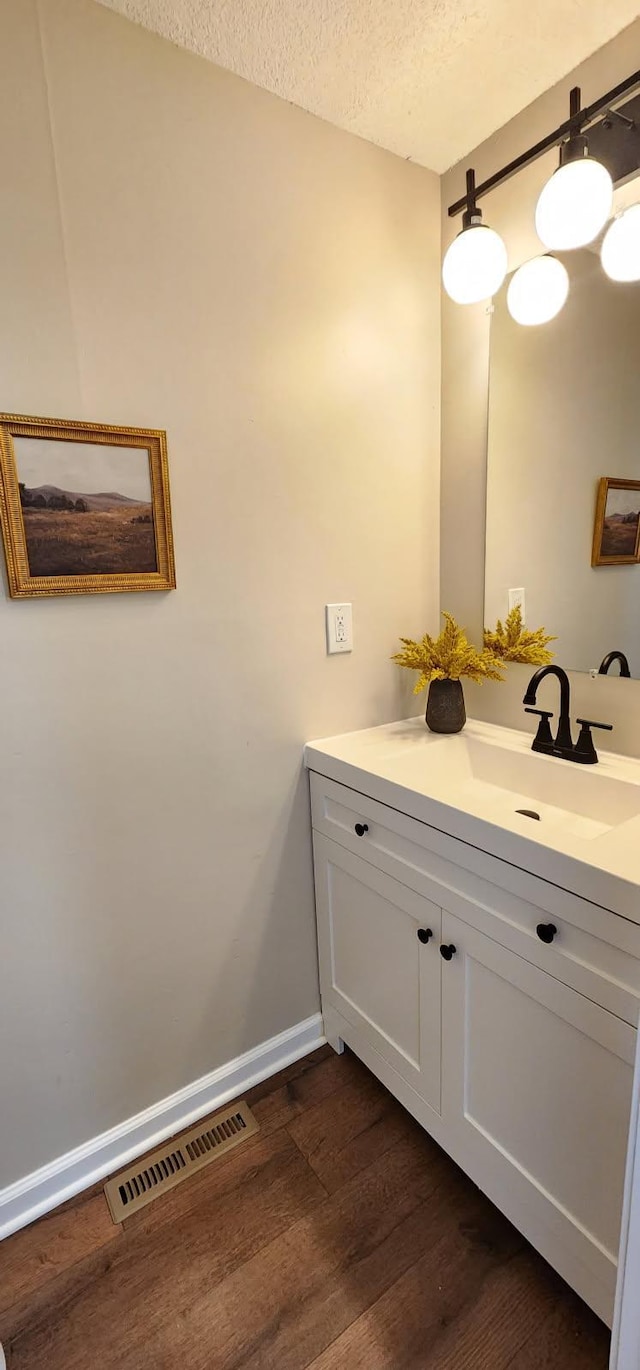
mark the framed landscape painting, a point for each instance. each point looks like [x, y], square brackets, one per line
[616, 534]
[84, 508]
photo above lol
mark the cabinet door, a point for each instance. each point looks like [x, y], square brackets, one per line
[536, 1095]
[374, 968]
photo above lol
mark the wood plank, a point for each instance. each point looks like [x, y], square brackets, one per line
[36, 1309]
[158, 1270]
[313, 1281]
[571, 1337]
[295, 1071]
[277, 1102]
[40, 1252]
[489, 1333]
[456, 1309]
[520, 1317]
[347, 1133]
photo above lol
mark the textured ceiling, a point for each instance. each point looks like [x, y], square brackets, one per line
[428, 79]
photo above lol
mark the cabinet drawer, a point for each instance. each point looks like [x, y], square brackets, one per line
[594, 951]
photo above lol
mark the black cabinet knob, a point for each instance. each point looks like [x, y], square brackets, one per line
[447, 952]
[546, 931]
[362, 828]
[424, 934]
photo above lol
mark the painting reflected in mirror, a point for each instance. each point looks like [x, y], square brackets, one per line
[616, 536]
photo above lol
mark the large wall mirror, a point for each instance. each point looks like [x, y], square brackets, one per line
[564, 467]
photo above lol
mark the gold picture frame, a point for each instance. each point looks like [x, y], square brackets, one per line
[62, 533]
[616, 532]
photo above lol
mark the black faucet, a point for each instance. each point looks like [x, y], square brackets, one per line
[608, 661]
[583, 751]
[562, 744]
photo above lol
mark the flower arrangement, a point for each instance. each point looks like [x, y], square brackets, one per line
[513, 642]
[444, 661]
[448, 657]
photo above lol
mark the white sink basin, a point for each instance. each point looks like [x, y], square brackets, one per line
[473, 786]
[506, 776]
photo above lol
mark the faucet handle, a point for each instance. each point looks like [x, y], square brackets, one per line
[584, 750]
[543, 740]
[590, 723]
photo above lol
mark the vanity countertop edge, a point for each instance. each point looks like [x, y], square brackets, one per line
[351, 759]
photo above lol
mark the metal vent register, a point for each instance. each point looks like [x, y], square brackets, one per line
[179, 1158]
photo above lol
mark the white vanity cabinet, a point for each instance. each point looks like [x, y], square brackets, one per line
[514, 1052]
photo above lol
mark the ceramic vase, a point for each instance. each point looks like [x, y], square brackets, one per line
[445, 707]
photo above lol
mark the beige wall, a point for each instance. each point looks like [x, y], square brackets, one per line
[182, 250]
[465, 367]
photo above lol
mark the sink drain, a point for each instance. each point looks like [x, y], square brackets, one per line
[529, 813]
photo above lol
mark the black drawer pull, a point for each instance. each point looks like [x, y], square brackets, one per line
[424, 934]
[362, 828]
[447, 952]
[546, 931]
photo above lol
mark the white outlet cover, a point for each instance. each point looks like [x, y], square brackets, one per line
[516, 599]
[339, 623]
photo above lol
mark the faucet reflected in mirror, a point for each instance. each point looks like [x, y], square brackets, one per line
[562, 745]
[608, 661]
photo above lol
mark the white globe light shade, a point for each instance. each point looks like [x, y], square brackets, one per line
[537, 291]
[621, 247]
[574, 205]
[475, 265]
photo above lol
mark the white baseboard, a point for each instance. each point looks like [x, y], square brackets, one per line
[44, 1189]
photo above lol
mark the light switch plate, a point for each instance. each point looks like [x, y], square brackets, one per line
[339, 628]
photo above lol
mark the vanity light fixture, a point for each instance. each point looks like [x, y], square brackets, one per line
[576, 202]
[572, 209]
[538, 290]
[620, 252]
[475, 264]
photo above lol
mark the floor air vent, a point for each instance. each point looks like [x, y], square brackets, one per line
[177, 1159]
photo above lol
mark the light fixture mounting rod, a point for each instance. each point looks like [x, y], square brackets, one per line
[575, 99]
[471, 208]
[578, 120]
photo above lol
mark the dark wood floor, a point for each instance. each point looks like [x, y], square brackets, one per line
[340, 1237]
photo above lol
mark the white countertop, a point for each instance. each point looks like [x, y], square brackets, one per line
[585, 841]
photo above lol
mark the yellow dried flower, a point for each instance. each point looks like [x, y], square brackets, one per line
[447, 657]
[513, 642]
